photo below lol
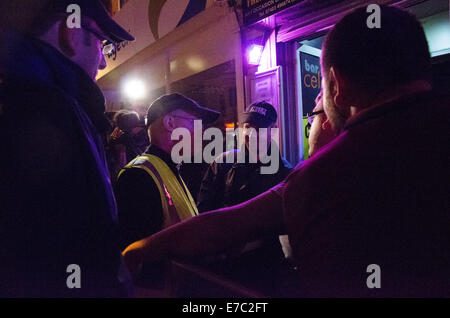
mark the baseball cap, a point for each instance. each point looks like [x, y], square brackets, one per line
[95, 10]
[168, 103]
[261, 114]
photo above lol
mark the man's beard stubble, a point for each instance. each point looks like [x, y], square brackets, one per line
[335, 115]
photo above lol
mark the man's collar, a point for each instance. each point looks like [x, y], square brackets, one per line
[157, 151]
[28, 60]
[72, 79]
[397, 104]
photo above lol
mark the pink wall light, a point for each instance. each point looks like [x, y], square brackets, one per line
[254, 54]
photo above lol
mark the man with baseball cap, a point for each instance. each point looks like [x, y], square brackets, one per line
[58, 213]
[230, 182]
[150, 191]
[226, 184]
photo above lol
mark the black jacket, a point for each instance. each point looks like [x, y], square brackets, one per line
[227, 184]
[57, 205]
[139, 201]
[141, 213]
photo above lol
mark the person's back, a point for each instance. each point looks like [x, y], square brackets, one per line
[372, 208]
[391, 208]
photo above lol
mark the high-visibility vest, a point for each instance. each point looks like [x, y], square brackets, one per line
[177, 204]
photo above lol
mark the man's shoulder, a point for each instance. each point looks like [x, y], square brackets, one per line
[225, 160]
[137, 185]
[376, 143]
[408, 109]
[229, 156]
[134, 177]
[440, 103]
[37, 101]
[38, 122]
[24, 89]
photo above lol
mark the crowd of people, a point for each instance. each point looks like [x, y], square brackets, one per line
[375, 190]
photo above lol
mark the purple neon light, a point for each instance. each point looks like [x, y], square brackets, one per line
[254, 54]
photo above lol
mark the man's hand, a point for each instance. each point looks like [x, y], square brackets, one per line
[132, 257]
[116, 134]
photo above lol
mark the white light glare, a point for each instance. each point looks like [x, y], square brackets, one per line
[134, 89]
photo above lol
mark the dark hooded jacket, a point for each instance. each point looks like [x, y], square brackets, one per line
[57, 207]
[226, 184]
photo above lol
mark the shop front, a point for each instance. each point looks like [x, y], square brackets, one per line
[299, 29]
[229, 54]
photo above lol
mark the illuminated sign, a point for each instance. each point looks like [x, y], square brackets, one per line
[255, 10]
[309, 84]
[311, 80]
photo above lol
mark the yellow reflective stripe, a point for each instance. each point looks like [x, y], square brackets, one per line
[191, 199]
[182, 200]
[167, 219]
[183, 205]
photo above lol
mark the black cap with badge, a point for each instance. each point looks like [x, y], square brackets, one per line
[95, 10]
[168, 103]
[261, 114]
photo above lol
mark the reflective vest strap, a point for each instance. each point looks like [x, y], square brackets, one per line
[191, 199]
[170, 215]
[182, 199]
[177, 205]
[169, 210]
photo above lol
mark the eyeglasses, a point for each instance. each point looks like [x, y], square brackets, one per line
[310, 116]
[107, 46]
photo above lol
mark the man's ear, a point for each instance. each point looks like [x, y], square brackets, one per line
[168, 123]
[67, 38]
[339, 88]
[328, 128]
[326, 125]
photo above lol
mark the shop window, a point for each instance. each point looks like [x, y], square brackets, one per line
[214, 88]
[437, 31]
[309, 80]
